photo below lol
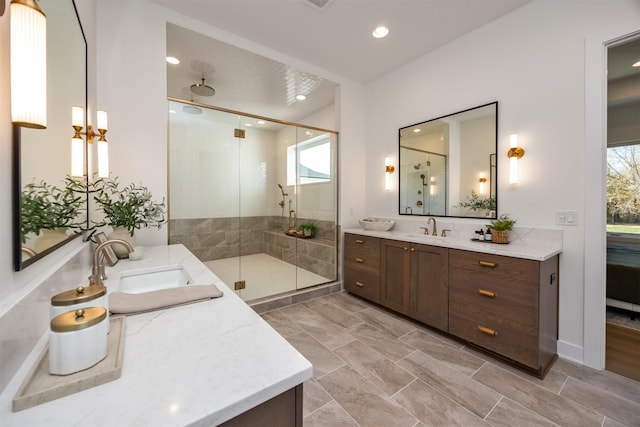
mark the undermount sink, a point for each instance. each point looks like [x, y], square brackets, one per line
[153, 279]
[423, 236]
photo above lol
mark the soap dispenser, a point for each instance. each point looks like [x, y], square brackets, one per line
[488, 236]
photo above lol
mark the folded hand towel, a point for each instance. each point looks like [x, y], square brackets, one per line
[124, 303]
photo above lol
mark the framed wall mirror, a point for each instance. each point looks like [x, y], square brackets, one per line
[42, 157]
[448, 165]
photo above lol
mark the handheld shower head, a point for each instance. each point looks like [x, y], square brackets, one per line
[282, 190]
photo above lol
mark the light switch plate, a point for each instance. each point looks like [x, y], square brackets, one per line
[567, 218]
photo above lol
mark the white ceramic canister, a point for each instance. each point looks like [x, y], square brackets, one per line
[80, 297]
[77, 340]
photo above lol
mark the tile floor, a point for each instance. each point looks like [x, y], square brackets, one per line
[373, 368]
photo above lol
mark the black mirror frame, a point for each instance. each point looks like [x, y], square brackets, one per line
[18, 263]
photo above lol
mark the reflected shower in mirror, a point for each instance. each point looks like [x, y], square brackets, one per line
[49, 206]
[448, 165]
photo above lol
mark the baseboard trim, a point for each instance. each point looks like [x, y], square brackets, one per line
[571, 352]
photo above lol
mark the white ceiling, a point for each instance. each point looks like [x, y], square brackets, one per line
[336, 38]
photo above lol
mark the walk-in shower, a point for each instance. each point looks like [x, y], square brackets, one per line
[239, 185]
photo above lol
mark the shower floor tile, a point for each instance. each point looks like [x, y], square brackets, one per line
[264, 275]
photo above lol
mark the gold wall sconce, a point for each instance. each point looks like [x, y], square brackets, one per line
[515, 153]
[389, 168]
[482, 180]
[77, 145]
[28, 64]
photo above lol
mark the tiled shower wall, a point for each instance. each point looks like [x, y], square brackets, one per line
[218, 238]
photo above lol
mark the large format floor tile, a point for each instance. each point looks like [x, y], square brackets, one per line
[375, 368]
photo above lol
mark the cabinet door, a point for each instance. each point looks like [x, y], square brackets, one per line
[429, 285]
[396, 269]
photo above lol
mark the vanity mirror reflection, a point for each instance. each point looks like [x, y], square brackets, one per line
[448, 165]
[44, 155]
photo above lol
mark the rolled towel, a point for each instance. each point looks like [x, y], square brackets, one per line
[124, 303]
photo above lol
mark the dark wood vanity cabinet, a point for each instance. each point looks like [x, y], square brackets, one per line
[395, 272]
[430, 285]
[503, 304]
[506, 305]
[362, 266]
[414, 281]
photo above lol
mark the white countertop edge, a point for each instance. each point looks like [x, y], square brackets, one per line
[534, 252]
[225, 340]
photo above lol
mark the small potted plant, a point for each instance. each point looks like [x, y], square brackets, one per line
[52, 211]
[479, 204]
[501, 227]
[308, 229]
[125, 209]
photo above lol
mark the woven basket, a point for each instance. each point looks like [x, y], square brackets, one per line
[501, 236]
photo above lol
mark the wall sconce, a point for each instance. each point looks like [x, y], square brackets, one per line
[482, 180]
[515, 153]
[77, 121]
[389, 168]
[28, 64]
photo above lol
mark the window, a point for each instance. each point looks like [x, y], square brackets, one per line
[623, 188]
[309, 161]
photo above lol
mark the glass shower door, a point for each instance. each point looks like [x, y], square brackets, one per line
[312, 166]
[242, 192]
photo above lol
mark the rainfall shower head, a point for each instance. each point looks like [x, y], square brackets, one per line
[282, 190]
[202, 89]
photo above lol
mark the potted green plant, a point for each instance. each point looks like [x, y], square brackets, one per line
[52, 211]
[308, 229]
[479, 204]
[501, 227]
[126, 209]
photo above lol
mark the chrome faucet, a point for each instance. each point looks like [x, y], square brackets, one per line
[97, 271]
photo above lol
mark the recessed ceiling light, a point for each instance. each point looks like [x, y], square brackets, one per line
[261, 122]
[173, 60]
[380, 32]
[248, 125]
[637, 64]
[172, 111]
[416, 130]
[301, 97]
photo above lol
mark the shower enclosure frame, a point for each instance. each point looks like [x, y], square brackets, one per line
[334, 177]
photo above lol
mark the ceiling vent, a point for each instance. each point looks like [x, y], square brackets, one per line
[319, 4]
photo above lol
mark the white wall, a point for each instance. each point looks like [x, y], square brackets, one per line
[532, 62]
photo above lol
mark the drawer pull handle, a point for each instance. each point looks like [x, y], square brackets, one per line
[360, 260]
[488, 264]
[413, 249]
[487, 293]
[360, 241]
[405, 248]
[487, 331]
[360, 284]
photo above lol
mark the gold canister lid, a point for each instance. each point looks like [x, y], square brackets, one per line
[78, 295]
[77, 320]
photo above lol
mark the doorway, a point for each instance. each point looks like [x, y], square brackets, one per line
[622, 351]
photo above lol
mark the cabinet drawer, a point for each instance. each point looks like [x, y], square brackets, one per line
[362, 284]
[513, 302]
[513, 342]
[362, 259]
[496, 265]
[371, 243]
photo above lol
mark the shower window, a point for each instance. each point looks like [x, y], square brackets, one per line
[309, 161]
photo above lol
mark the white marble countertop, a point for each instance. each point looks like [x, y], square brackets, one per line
[198, 364]
[520, 248]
